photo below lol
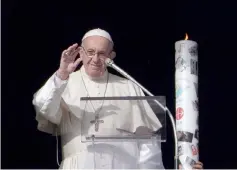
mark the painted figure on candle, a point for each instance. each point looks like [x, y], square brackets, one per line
[195, 105]
[196, 134]
[181, 64]
[193, 51]
[194, 67]
[184, 136]
[181, 87]
[180, 48]
[190, 161]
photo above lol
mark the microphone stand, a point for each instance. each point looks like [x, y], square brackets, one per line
[111, 64]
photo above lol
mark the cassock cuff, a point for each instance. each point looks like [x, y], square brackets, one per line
[59, 82]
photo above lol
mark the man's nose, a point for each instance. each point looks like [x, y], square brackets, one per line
[96, 58]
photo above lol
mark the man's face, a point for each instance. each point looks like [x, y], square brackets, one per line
[94, 51]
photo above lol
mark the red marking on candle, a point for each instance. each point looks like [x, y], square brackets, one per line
[194, 150]
[179, 113]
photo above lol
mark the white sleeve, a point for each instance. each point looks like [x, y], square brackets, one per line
[47, 102]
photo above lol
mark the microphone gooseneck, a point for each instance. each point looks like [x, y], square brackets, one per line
[110, 63]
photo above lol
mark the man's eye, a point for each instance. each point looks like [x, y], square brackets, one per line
[103, 54]
[91, 52]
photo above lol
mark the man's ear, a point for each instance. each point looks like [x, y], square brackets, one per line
[80, 51]
[113, 55]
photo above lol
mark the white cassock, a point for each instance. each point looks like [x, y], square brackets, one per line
[59, 109]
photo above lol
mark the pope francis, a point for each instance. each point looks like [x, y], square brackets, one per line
[58, 110]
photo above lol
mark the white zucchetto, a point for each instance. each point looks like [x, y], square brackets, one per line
[98, 32]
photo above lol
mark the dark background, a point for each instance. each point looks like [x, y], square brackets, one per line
[34, 33]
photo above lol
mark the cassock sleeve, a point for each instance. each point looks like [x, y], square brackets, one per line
[47, 102]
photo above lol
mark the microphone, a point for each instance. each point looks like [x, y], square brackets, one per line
[110, 63]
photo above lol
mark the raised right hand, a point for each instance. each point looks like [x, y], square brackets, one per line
[67, 62]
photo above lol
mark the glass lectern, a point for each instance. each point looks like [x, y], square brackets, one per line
[119, 129]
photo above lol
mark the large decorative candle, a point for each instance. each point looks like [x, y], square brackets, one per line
[186, 86]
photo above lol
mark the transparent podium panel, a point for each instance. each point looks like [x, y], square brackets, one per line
[123, 119]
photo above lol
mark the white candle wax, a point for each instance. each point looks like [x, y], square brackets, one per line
[186, 87]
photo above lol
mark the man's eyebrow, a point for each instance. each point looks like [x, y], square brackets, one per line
[93, 49]
[89, 49]
[101, 51]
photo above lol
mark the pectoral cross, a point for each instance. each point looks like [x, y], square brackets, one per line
[97, 122]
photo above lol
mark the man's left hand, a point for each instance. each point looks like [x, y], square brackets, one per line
[198, 165]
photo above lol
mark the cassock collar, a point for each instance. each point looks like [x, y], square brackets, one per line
[96, 79]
